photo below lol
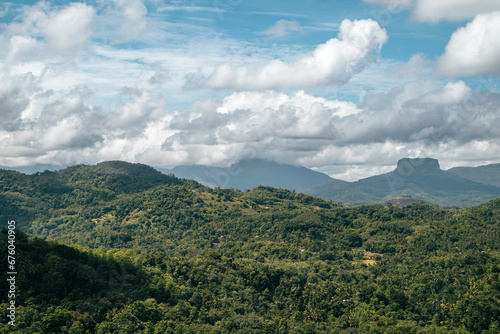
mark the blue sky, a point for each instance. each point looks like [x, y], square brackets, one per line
[344, 87]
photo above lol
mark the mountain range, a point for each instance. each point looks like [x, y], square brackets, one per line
[413, 180]
[250, 173]
[419, 179]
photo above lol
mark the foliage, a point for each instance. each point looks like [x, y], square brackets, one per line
[170, 256]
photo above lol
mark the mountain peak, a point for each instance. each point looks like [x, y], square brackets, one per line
[250, 173]
[406, 165]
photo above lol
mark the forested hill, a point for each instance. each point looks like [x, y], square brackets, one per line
[81, 186]
[488, 174]
[182, 258]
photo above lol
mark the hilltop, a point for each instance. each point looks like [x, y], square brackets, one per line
[488, 174]
[251, 173]
[418, 178]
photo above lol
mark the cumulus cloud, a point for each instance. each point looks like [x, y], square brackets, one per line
[37, 124]
[21, 48]
[131, 118]
[427, 113]
[473, 49]
[15, 94]
[254, 124]
[333, 62]
[282, 28]
[40, 122]
[134, 13]
[434, 11]
[45, 123]
[69, 109]
[70, 27]
[62, 30]
[420, 118]
[452, 93]
[415, 118]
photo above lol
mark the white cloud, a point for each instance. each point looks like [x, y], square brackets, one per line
[255, 124]
[32, 20]
[417, 67]
[260, 101]
[68, 108]
[134, 13]
[457, 10]
[63, 30]
[418, 118]
[426, 113]
[282, 28]
[131, 118]
[433, 11]
[473, 49]
[21, 48]
[41, 122]
[15, 92]
[452, 93]
[334, 62]
[70, 27]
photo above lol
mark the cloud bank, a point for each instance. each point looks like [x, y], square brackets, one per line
[422, 117]
[123, 83]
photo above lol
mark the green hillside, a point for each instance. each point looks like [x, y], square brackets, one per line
[157, 254]
[489, 174]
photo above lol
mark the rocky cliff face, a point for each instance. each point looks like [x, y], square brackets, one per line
[408, 166]
[420, 178]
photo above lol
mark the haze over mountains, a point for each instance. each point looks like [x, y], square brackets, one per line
[415, 179]
[412, 180]
[251, 173]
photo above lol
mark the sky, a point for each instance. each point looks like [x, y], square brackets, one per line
[343, 87]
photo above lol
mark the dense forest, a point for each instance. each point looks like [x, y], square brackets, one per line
[122, 248]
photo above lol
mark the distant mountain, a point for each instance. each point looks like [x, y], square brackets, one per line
[35, 168]
[251, 173]
[413, 178]
[489, 174]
